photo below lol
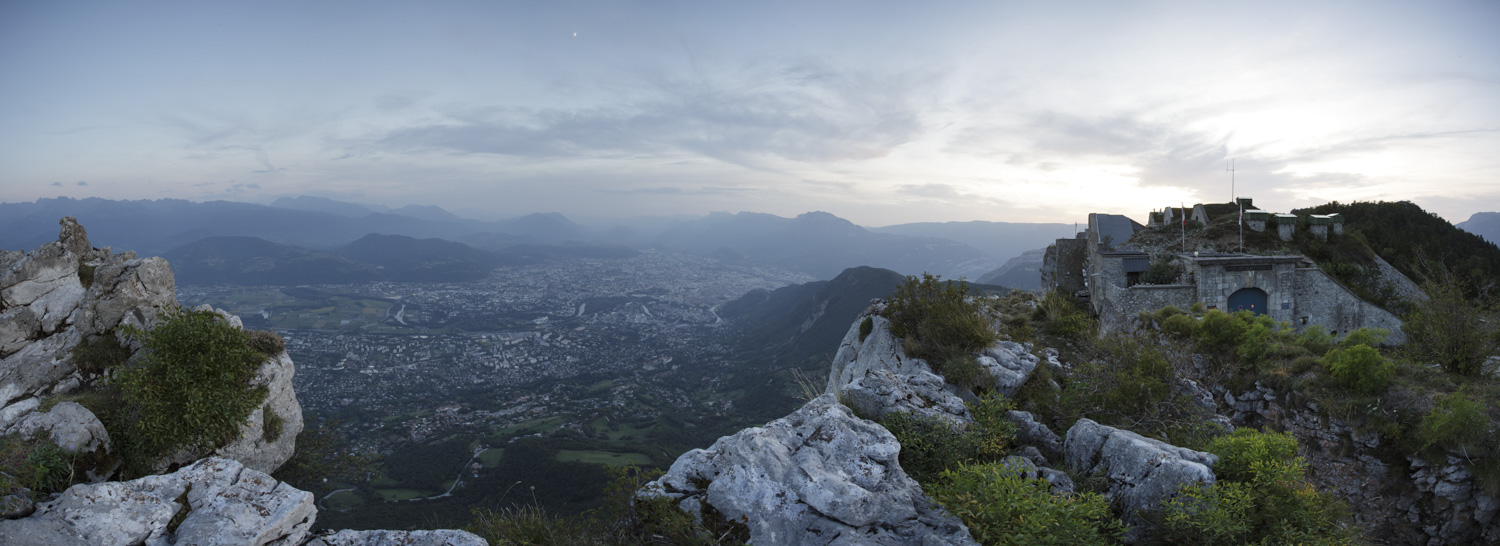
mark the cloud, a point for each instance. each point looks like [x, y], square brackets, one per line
[82, 183]
[801, 111]
[56, 184]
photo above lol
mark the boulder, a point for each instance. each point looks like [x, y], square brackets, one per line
[817, 476]
[226, 503]
[875, 377]
[1010, 363]
[1141, 472]
[1031, 432]
[68, 424]
[440, 537]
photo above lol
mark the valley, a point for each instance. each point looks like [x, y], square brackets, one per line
[546, 371]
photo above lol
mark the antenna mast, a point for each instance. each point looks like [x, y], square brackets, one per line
[1232, 194]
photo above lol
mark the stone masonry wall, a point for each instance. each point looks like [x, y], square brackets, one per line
[1321, 300]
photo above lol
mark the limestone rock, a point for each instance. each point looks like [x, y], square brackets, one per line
[68, 424]
[252, 447]
[45, 309]
[441, 537]
[226, 502]
[875, 377]
[1141, 472]
[17, 504]
[1028, 469]
[1030, 432]
[1011, 364]
[817, 476]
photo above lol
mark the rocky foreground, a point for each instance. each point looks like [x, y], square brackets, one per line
[66, 293]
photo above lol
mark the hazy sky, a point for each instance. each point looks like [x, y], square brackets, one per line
[881, 113]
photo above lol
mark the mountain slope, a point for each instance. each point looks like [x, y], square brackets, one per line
[423, 260]
[1001, 240]
[1483, 224]
[1405, 235]
[1022, 272]
[252, 261]
[802, 320]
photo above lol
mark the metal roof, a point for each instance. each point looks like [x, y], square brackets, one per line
[1117, 228]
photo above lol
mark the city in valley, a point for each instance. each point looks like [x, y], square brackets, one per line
[613, 361]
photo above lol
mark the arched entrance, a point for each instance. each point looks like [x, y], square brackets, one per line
[1248, 299]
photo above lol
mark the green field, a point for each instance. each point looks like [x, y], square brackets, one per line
[603, 457]
[491, 457]
[403, 494]
[534, 425]
[343, 500]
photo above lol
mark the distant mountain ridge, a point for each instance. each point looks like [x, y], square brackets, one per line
[1022, 272]
[822, 245]
[1001, 240]
[1483, 224]
[252, 261]
[154, 227]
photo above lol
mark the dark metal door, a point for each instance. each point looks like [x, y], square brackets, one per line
[1248, 299]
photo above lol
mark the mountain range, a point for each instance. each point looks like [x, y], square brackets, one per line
[817, 243]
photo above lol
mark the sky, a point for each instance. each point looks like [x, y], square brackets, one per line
[882, 113]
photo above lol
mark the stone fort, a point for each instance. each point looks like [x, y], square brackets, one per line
[1100, 267]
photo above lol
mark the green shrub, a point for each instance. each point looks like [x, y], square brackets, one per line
[265, 342]
[1262, 497]
[1129, 382]
[966, 373]
[1305, 363]
[86, 275]
[190, 390]
[99, 353]
[1455, 423]
[48, 468]
[1315, 339]
[1372, 337]
[1219, 332]
[865, 327]
[529, 524]
[1001, 507]
[1181, 326]
[1243, 452]
[931, 445]
[1161, 272]
[1361, 368]
[1451, 328]
[937, 321]
[271, 423]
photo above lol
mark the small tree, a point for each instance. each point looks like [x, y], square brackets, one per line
[1451, 328]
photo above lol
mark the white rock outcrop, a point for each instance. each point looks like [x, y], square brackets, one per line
[875, 377]
[1010, 363]
[817, 476]
[69, 425]
[65, 292]
[1141, 472]
[225, 503]
[46, 310]
[440, 537]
